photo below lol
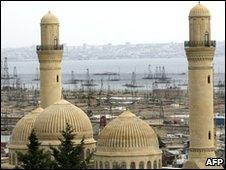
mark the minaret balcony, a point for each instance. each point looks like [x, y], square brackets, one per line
[49, 47]
[188, 44]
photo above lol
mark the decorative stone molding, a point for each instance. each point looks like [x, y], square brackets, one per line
[200, 67]
[202, 149]
[50, 68]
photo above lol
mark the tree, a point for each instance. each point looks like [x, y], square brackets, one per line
[67, 155]
[34, 158]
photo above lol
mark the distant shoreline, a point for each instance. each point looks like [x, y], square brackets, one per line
[66, 59]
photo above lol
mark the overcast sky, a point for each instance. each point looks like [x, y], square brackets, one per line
[97, 23]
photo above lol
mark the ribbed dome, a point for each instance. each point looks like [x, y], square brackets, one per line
[23, 128]
[54, 118]
[127, 134]
[199, 10]
[49, 18]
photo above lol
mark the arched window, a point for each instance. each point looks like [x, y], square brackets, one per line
[55, 42]
[155, 164]
[57, 78]
[160, 164]
[209, 135]
[11, 158]
[101, 165]
[206, 39]
[107, 165]
[123, 165]
[97, 165]
[149, 165]
[208, 79]
[14, 159]
[87, 152]
[132, 165]
[115, 165]
[82, 155]
[141, 165]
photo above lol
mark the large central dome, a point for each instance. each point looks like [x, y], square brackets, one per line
[128, 135]
[54, 118]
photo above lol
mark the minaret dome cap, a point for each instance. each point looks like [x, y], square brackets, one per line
[49, 18]
[199, 11]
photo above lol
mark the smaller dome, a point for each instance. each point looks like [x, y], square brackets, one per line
[54, 118]
[199, 11]
[127, 135]
[49, 18]
[23, 128]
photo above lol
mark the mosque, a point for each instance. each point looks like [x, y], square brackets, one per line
[127, 141]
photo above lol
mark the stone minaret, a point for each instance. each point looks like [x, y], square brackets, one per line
[200, 52]
[50, 56]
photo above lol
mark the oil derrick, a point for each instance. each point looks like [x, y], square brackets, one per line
[35, 97]
[37, 74]
[133, 83]
[149, 71]
[161, 114]
[1, 68]
[22, 96]
[5, 69]
[18, 83]
[108, 99]
[100, 92]
[88, 81]
[72, 76]
[89, 97]
[73, 80]
[103, 120]
[163, 73]
[5, 75]
[157, 72]
[15, 72]
[160, 72]
[14, 76]
[5, 123]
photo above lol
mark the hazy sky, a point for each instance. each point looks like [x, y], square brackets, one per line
[106, 22]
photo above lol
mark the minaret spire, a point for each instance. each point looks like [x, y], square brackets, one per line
[200, 52]
[50, 55]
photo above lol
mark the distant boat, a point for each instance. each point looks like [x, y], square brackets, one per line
[131, 85]
[115, 77]
[162, 81]
[105, 74]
